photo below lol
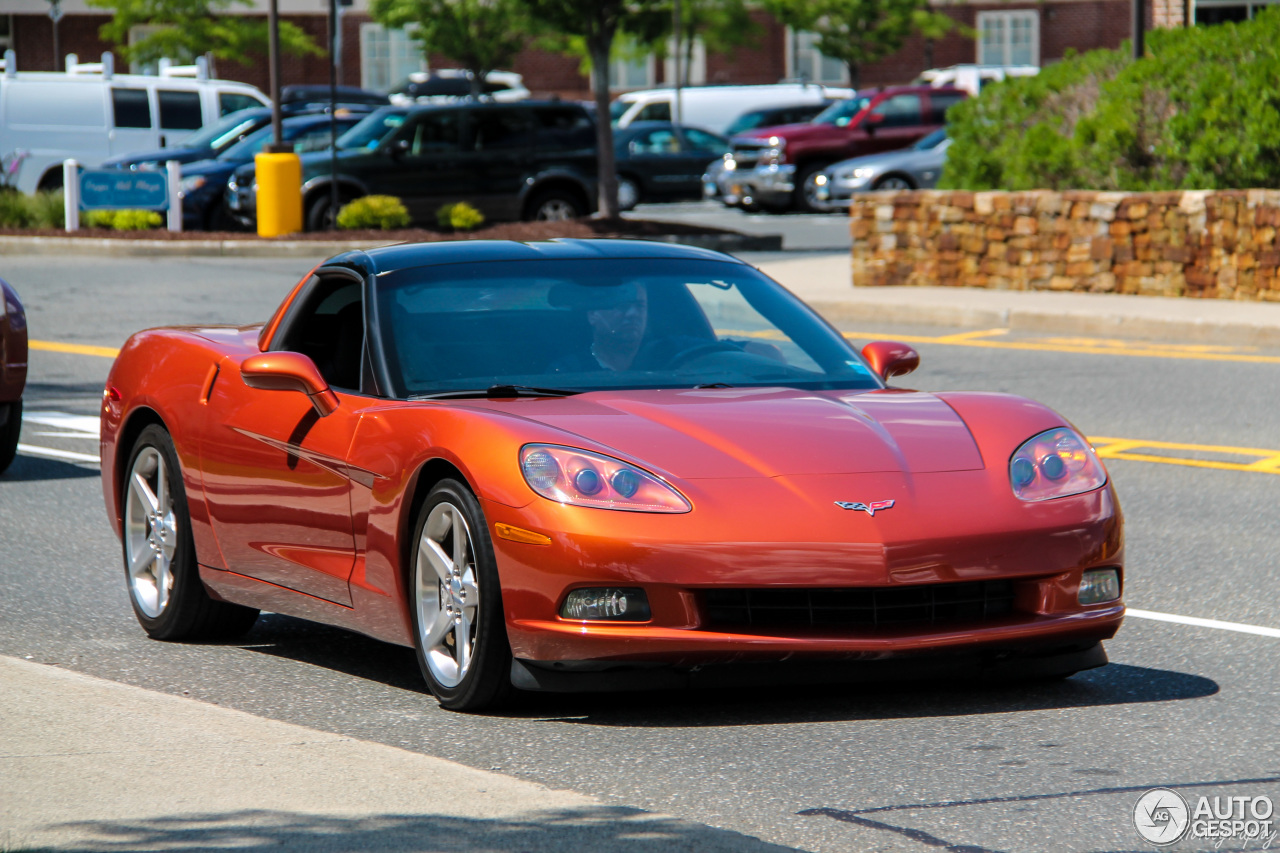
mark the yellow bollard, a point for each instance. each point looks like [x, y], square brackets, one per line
[279, 179]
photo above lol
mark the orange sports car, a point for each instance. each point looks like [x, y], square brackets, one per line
[598, 464]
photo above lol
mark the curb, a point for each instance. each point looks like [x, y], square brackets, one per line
[1104, 324]
[120, 248]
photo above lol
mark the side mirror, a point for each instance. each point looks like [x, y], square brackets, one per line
[872, 121]
[289, 371]
[891, 359]
[399, 148]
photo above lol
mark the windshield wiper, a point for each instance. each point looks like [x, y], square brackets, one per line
[497, 391]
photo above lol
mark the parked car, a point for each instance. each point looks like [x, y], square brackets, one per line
[914, 168]
[774, 116]
[204, 183]
[445, 85]
[13, 372]
[775, 168]
[90, 113]
[222, 134]
[525, 160]
[659, 161]
[972, 78]
[599, 463]
[312, 97]
[715, 107]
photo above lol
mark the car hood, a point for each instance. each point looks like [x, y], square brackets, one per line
[907, 158]
[159, 155]
[793, 133]
[763, 432]
[212, 167]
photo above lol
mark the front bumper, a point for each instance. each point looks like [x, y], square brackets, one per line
[762, 186]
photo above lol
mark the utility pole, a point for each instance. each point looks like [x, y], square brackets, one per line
[1139, 28]
[55, 15]
[675, 30]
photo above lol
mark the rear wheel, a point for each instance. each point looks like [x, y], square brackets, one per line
[555, 206]
[10, 427]
[459, 630]
[160, 567]
[628, 193]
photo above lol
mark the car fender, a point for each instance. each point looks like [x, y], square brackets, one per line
[13, 345]
[557, 175]
[344, 181]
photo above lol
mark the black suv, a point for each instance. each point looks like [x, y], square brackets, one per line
[526, 160]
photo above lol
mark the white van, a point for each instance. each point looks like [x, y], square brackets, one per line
[715, 107]
[91, 113]
[972, 78]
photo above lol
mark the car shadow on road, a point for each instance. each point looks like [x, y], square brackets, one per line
[396, 666]
[603, 829]
[31, 469]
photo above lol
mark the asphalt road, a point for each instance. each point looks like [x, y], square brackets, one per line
[1052, 767]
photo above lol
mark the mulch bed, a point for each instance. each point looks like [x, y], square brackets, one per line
[522, 231]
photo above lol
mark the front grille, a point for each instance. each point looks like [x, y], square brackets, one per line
[928, 604]
[746, 156]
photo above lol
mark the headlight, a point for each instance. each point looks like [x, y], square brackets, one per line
[854, 177]
[775, 153]
[232, 185]
[582, 478]
[1054, 464]
[190, 185]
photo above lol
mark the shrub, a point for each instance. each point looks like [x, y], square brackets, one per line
[460, 217]
[373, 211]
[1199, 111]
[42, 210]
[123, 220]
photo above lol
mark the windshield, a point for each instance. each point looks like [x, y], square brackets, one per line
[932, 140]
[617, 110]
[222, 131]
[372, 129]
[585, 325]
[252, 144]
[842, 112]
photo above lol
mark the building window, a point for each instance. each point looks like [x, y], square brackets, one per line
[806, 62]
[1009, 38]
[6, 32]
[631, 68]
[696, 73]
[387, 57]
[1222, 11]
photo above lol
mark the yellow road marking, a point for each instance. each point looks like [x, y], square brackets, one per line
[1267, 461]
[75, 349]
[1090, 346]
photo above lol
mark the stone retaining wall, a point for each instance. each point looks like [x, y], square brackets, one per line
[1217, 245]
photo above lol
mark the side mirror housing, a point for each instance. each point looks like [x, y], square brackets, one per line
[398, 148]
[289, 371]
[872, 121]
[890, 359]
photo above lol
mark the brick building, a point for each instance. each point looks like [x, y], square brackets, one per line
[1009, 32]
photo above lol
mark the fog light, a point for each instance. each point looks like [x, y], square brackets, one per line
[1099, 585]
[614, 605]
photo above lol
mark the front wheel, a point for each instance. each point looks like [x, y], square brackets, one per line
[321, 215]
[160, 567]
[806, 192]
[10, 427]
[892, 182]
[628, 193]
[458, 626]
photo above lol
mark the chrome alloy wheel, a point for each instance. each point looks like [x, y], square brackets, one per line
[151, 533]
[893, 182]
[447, 594]
[555, 210]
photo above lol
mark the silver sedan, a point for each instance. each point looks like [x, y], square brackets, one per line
[917, 167]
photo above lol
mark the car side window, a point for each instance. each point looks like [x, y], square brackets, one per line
[563, 128]
[437, 133]
[180, 110]
[700, 140]
[899, 111]
[329, 330]
[132, 108]
[939, 103]
[660, 111]
[498, 130]
[230, 102]
[656, 142]
[316, 139]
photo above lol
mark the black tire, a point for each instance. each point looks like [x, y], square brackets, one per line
[484, 681]
[320, 215]
[883, 182]
[10, 427]
[804, 191]
[220, 219]
[185, 611]
[555, 205]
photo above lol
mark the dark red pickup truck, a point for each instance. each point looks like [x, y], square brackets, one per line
[772, 168]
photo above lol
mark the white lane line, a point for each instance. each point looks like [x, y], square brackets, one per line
[1204, 623]
[50, 453]
[85, 424]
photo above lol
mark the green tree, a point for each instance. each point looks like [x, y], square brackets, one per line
[479, 35]
[185, 29]
[594, 24]
[853, 31]
[722, 25]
